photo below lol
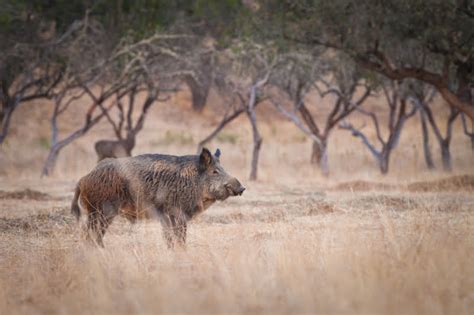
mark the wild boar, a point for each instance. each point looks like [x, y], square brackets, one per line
[173, 188]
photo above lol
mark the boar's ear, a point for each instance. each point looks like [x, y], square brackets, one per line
[218, 153]
[205, 159]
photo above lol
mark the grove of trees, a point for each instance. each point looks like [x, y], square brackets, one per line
[249, 51]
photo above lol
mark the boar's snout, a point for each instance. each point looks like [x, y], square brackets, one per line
[241, 190]
[235, 187]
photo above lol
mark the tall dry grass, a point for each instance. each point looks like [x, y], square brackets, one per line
[386, 262]
[295, 242]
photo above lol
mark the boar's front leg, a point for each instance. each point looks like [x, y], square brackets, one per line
[180, 229]
[174, 229]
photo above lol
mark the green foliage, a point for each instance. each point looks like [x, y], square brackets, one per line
[403, 28]
[219, 17]
[44, 143]
[5, 20]
[227, 137]
[173, 137]
[299, 138]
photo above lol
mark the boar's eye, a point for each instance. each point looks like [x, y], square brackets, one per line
[215, 172]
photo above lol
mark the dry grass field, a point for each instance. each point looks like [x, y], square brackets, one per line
[295, 242]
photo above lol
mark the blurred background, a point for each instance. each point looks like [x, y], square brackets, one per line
[289, 90]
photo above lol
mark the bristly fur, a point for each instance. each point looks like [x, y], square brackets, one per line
[175, 188]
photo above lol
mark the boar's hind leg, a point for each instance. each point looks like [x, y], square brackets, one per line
[97, 224]
[174, 230]
[99, 220]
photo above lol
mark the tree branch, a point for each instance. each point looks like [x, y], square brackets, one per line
[465, 128]
[375, 122]
[387, 69]
[357, 133]
[294, 118]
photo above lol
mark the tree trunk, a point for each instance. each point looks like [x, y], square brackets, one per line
[57, 146]
[257, 142]
[471, 136]
[315, 153]
[252, 116]
[51, 160]
[129, 143]
[199, 93]
[446, 156]
[384, 160]
[426, 142]
[319, 156]
[5, 118]
[444, 142]
[255, 155]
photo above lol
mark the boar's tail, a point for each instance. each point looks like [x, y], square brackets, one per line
[75, 210]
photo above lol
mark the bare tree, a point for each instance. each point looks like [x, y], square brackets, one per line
[124, 145]
[252, 116]
[247, 105]
[231, 113]
[344, 88]
[398, 114]
[28, 87]
[421, 95]
[244, 72]
[263, 63]
[125, 129]
[62, 102]
[393, 40]
[32, 66]
[131, 67]
[426, 141]
[87, 64]
[469, 95]
[102, 100]
[159, 64]
[468, 133]
[27, 72]
[443, 141]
